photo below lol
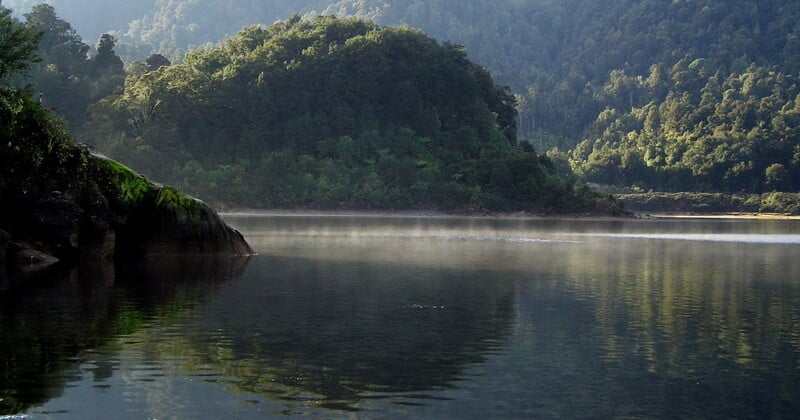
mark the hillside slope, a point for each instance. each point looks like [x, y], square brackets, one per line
[669, 95]
[331, 113]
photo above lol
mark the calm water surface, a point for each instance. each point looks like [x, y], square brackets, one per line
[409, 317]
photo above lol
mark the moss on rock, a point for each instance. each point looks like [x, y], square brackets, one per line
[161, 220]
[128, 186]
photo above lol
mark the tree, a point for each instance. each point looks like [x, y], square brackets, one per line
[18, 47]
[155, 61]
[59, 44]
[65, 76]
[777, 176]
[106, 62]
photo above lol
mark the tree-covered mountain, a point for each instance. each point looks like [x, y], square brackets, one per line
[330, 113]
[169, 27]
[172, 27]
[673, 95]
[647, 93]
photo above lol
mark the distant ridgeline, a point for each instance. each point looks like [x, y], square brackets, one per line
[331, 113]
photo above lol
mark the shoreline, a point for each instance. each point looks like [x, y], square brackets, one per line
[406, 213]
[433, 214]
[733, 215]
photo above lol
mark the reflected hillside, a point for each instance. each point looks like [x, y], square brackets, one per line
[669, 312]
[50, 322]
[337, 334]
[675, 322]
[667, 289]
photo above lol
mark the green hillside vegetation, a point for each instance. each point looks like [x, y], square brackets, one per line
[709, 132]
[670, 95]
[696, 96]
[331, 113]
[68, 75]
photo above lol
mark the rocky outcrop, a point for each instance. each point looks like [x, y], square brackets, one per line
[151, 219]
[24, 257]
[119, 215]
[60, 202]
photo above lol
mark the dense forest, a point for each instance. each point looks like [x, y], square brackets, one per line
[669, 95]
[651, 94]
[330, 113]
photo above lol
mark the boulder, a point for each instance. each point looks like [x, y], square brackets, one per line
[24, 257]
[152, 219]
[119, 215]
[174, 223]
[55, 221]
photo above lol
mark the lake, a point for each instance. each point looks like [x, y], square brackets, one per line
[367, 316]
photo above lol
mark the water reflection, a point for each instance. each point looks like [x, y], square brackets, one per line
[51, 321]
[336, 333]
[408, 317]
[664, 328]
[613, 318]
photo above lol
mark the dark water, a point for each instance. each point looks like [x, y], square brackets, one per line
[403, 317]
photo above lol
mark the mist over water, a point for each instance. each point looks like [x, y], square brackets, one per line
[436, 317]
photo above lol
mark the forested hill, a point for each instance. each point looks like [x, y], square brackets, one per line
[671, 95]
[663, 94]
[330, 113]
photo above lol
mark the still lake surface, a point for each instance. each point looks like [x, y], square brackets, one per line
[359, 316]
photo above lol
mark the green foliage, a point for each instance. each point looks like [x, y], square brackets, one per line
[17, 48]
[687, 202]
[185, 208]
[36, 153]
[66, 77]
[682, 95]
[669, 95]
[330, 113]
[155, 61]
[736, 133]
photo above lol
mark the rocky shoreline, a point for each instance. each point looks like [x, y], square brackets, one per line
[126, 217]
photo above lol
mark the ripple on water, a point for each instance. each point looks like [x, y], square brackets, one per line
[702, 237]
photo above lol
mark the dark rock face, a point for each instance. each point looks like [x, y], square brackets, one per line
[23, 257]
[149, 219]
[188, 228]
[3, 246]
[55, 221]
[60, 202]
[121, 215]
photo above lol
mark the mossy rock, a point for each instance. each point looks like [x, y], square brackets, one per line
[59, 199]
[180, 224]
[161, 220]
[124, 188]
